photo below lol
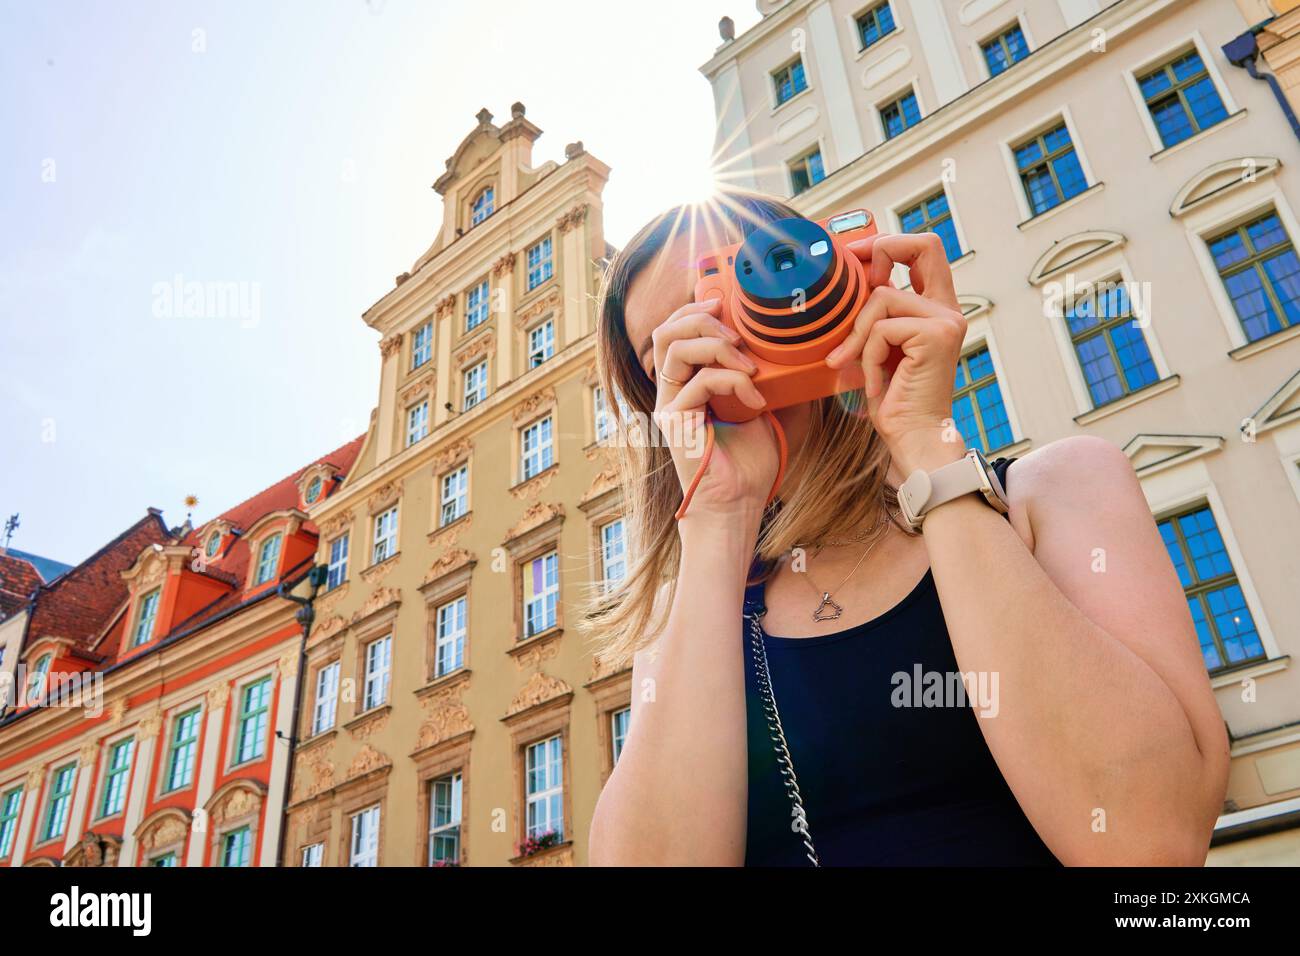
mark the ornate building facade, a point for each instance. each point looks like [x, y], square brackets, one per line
[1118, 204]
[156, 688]
[452, 714]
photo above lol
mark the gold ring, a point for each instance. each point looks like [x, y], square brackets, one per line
[671, 381]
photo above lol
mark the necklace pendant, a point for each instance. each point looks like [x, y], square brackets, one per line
[828, 610]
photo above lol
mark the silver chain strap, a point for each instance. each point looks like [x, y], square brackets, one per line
[784, 764]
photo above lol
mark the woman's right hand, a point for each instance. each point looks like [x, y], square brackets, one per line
[744, 463]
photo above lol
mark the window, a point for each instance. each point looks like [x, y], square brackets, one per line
[165, 860]
[1112, 351]
[214, 542]
[444, 821]
[1259, 269]
[541, 343]
[338, 566]
[789, 81]
[806, 172]
[605, 422]
[41, 671]
[379, 661]
[417, 422]
[180, 758]
[56, 813]
[235, 847]
[327, 697]
[476, 306]
[116, 775]
[933, 215]
[145, 618]
[1049, 169]
[545, 789]
[455, 494]
[365, 838]
[1181, 98]
[313, 490]
[618, 724]
[449, 644]
[540, 267]
[1005, 49]
[482, 206]
[977, 403]
[313, 855]
[9, 804]
[535, 447]
[268, 559]
[254, 707]
[385, 535]
[613, 553]
[422, 345]
[475, 385]
[1223, 623]
[875, 24]
[541, 594]
[903, 113]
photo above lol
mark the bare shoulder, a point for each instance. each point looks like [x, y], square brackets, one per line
[1082, 476]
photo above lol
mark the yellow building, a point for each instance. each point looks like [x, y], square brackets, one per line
[450, 710]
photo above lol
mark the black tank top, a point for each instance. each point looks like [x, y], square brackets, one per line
[882, 784]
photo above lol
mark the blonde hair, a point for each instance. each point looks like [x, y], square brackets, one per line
[835, 480]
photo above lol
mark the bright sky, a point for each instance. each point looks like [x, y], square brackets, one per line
[289, 147]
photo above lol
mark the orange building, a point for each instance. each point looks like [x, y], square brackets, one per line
[152, 704]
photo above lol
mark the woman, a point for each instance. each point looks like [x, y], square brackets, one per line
[1090, 735]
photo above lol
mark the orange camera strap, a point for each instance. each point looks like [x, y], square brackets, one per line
[782, 455]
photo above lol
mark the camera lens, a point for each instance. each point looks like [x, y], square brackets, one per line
[792, 283]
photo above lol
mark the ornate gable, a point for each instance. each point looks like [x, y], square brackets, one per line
[1152, 453]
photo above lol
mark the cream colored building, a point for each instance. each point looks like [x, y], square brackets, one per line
[1057, 144]
[450, 708]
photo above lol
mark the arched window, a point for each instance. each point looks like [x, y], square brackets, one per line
[482, 206]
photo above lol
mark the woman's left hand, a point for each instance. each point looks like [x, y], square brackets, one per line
[912, 407]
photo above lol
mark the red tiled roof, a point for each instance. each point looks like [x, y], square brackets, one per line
[18, 579]
[79, 603]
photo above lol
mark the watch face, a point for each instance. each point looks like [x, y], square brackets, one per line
[996, 495]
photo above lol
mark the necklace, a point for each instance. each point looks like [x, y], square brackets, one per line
[828, 609]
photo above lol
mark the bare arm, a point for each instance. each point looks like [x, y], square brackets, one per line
[678, 794]
[1107, 730]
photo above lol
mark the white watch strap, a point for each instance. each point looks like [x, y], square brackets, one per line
[924, 491]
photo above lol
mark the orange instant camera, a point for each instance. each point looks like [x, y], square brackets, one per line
[792, 290]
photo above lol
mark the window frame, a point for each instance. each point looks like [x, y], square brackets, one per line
[458, 639]
[972, 386]
[112, 774]
[999, 36]
[774, 83]
[545, 265]
[337, 563]
[550, 550]
[368, 676]
[1101, 329]
[460, 498]
[457, 783]
[167, 775]
[478, 313]
[910, 89]
[604, 552]
[54, 796]
[480, 394]
[245, 832]
[417, 426]
[143, 603]
[263, 714]
[421, 352]
[922, 199]
[547, 327]
[305, 853]
[544, 451]
[1186, 44]
[372, 812]
[10, 817]
[389, 540]
[484, 201]
[261, 573]
[801, 165]
[871, 9]
[315, 724]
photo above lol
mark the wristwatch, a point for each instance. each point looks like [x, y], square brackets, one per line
[924, 491]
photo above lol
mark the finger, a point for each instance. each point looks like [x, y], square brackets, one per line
[911, 334]
[924, 255]
[683, 357]
[708, 382]
[684, 324]
[884, 302]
